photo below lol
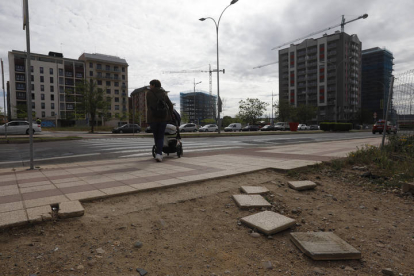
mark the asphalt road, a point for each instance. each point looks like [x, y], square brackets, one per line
[16, 155]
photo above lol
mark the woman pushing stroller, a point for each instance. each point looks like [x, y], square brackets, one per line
[160, 110]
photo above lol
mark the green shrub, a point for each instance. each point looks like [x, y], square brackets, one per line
[325, 126]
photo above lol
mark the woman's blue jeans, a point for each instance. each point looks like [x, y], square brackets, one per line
[158, 131]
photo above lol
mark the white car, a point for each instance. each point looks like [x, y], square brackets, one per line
[19, 127]
[302, 127]
[208, 128]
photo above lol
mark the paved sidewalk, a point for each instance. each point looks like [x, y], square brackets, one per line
[26, 196]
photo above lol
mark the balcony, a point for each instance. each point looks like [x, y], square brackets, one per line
[69, 74]
[311, 71]
[301, 66]
[19, 68]
[330, 53]
[311, 64]
[312, 57]
[79, 75]
[332, 45]
[312, 50]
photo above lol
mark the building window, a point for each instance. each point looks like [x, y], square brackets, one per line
[117, 91]
[43, 106]
[116, 99]
[69, 106]
[42, 97]
[115, 76]
[99, 82]
[52, 106]
[116, 69]
[20, 77]
[42, 88]
[90, 65]
[21, 95]
[123, 77]
[31, 68]
[61, 89]
[41, 70]
[52, 114]
[33, 105]
[99, 66]
[52, 97]
[32, 78]
[90, 73]
[43, 114]
[32, 87]
[20, 86]
[42, 79]
[108, 83]
[51, 71]
[52, 88]
[116, 84]
[108, 91]
[60, 80]
[107, 68]
[123, 69]
[51, 79]
[60, 72]
[116, 107]
[33, 96]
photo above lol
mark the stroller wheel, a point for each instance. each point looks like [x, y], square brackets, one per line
[153, 151]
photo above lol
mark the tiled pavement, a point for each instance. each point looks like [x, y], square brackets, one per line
[26, 195]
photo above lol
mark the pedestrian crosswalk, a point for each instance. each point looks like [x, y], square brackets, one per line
[131, 147]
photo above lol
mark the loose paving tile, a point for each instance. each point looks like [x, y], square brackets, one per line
[324, 246]
[38, 214]
[268, 222]
[302, 185]
[251, 201]
[70, 209]
[252, 190]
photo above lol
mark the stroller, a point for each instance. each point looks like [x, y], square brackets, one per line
[172, 144]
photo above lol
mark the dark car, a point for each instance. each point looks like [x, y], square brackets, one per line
[128, 128]
[268, 128]
[379, 127]
[250, 128]
[314, 127]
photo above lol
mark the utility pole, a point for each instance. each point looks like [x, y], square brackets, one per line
[272, 109]
[4, 98]
[384, 130]
[28, 82]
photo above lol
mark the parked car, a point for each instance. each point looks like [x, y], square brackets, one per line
[379, 127]
[208, 128]
[188, 128]
[233, 127]
[268, 128]
[302, 127]
[314, 127]
[19, 127]
[170, 129]
[128, 128]
[282, 126]
[250, 128]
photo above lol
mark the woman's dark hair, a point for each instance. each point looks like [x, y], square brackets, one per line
[155, 83]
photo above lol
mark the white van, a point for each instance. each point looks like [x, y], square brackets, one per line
[233, 127]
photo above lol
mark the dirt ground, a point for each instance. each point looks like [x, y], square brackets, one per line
[195, 230]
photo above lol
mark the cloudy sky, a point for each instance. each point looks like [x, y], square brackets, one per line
[158, 35]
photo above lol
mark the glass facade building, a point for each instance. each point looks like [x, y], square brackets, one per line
[197, 106]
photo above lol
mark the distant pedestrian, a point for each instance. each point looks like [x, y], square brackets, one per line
[38, 121]
[159, 112]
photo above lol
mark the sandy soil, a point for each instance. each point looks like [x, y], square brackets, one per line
[195, 230]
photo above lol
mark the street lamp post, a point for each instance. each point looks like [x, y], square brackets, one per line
[195, 121]
[218, 68]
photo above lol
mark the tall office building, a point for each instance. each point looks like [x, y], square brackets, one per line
[198, 105]
[324, 73]
[377, 67]
[53, 80]
[111, 74]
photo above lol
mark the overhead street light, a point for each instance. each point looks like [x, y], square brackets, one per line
[218, 68]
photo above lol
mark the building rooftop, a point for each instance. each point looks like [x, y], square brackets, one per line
[108, 58]
[375, 49]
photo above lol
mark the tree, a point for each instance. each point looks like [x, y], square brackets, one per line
[22, 111]
[184, 118]
[251, 109]
[363, 116]
[227, 120]
[305, 113]
[92, 100]
[208, 121]
[283, 111]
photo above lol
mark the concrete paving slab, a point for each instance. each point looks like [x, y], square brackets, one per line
[13, 218]
[70, 209]
[268, 222]
[250, 201]
[324, 246]
[41, 213]
[254, 190]
[302, 185]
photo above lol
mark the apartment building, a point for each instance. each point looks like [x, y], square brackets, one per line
[111, 75]
[53, 80]
[325, 73]
[198, 105]
[377, 67]
[138, 106]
